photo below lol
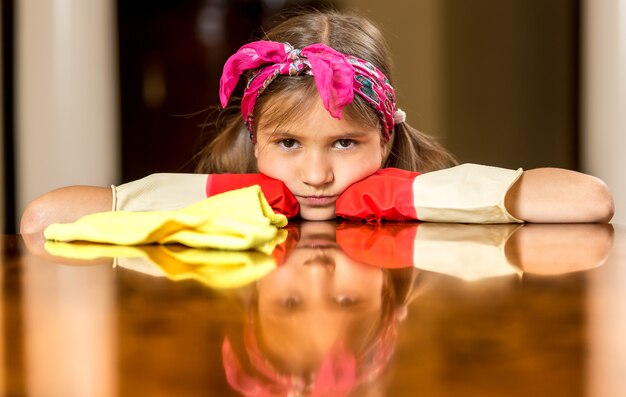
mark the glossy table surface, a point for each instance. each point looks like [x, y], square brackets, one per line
[336, 309]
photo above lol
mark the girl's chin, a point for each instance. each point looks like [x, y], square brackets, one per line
[324, 213]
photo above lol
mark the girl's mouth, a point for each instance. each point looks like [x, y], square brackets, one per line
[317, 201]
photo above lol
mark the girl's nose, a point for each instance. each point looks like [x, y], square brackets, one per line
[317, 170]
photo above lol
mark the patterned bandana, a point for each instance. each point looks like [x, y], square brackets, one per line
[337, 76]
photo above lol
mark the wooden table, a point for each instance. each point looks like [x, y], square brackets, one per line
[336, 309]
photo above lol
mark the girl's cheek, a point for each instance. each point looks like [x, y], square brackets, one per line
[266, 164]
[276, 168]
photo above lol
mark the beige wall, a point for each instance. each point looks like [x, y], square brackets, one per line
[604, 96]
[66, 95]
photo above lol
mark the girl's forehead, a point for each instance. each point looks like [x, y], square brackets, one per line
[310, 119]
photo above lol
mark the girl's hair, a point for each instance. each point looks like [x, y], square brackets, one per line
[232, 151]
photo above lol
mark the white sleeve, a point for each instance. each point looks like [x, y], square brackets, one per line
[160, 192]
[467, 193]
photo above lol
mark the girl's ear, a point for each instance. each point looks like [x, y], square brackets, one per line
[256, 150]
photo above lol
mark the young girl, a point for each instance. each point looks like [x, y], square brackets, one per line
[313, 106]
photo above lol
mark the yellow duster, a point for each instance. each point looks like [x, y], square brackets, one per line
[236, 220]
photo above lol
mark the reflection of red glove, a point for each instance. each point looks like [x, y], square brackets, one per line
[385, 195]
[283, 250]
[386, 245]
[278, 196]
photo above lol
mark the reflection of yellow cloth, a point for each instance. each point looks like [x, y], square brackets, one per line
[216, 269]
[236, 220]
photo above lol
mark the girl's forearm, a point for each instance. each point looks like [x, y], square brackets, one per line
[553, 195]
[64, 205]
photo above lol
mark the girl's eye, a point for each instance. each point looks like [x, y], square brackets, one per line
[291, 303]
[344, 143]
[288, 143]
[345, 301]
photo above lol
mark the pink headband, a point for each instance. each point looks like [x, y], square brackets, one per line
[337, 76]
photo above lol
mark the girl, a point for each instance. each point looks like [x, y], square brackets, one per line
[318, 113]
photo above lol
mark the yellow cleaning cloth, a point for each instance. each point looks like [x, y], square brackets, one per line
[215, 269]
[236, 220]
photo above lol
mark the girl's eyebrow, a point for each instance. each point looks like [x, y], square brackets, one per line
[354, 134]
[282, 134]
[295, 135]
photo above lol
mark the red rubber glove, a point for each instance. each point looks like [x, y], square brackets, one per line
[385, 195]
[278, 196]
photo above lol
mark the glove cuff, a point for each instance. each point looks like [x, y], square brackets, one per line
[468, 193]
[160, 192]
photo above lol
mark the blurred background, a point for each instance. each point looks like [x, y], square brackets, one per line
[101, 92]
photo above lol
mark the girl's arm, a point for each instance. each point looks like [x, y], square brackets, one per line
[65, 205]
[551, 195]
[154, 192]
[472, 193]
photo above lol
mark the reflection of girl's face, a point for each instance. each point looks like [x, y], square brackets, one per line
[317, 298]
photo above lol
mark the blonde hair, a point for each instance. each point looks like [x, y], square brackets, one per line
[232, 151]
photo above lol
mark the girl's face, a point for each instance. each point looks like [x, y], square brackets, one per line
[318, 157]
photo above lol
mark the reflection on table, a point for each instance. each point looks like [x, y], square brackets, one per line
[328, 309]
